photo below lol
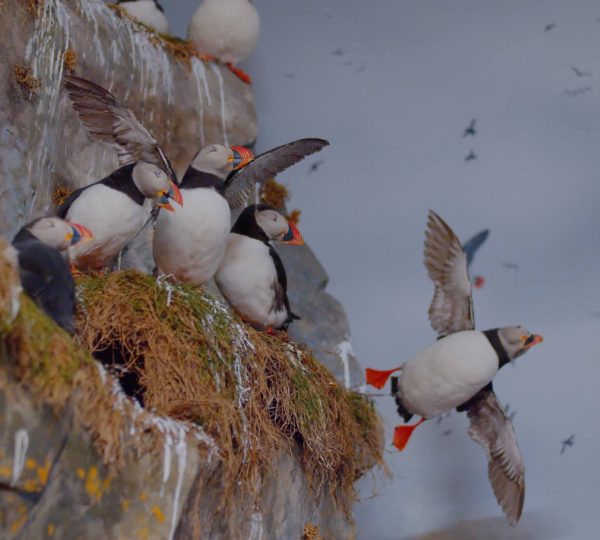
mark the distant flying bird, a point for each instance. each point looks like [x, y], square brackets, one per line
[338, 52]
[447, 432]
[470, 156]
[458, 369]
[576, 91]
[580, 72]
[470, 129]
[361, 68]
[570, 441]
[510, 265]
[289, 75]
[471, 246]
[314, 167]
[550, 26]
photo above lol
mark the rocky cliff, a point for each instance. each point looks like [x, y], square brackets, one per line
[78, 457]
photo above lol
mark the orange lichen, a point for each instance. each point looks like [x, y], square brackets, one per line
[158, 514]
[311, 532]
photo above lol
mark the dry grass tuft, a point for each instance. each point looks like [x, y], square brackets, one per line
[34, 7]
[311, 532]
[294, 216]
[254, 394]
[25, 79]
[70, 59]
[274, 193]
[60, 194]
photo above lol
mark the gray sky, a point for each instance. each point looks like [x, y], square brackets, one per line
[393, 103]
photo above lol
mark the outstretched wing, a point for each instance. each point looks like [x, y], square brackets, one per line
[239, 185]
[471, 246]
[451, 309]
[108, 121]
[492, 429]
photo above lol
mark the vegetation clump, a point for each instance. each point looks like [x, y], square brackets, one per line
[182, 353]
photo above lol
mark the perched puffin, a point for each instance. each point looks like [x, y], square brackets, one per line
[458, 369]
[113, 208]
[189, 244]
[251, 276]
[148, 12]
[227, 30]
[44, 272]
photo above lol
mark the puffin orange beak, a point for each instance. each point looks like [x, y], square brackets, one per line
[532, 340]
[175, 194]
[292, 237]
[80, 233]
[241, 157]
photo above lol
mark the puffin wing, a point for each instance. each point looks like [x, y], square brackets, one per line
[471, 246]
[240, 184]
[108, 121]
[492, 429]
[451, 309]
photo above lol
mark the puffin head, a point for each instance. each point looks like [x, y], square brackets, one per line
[221, 160]
[517, 340]
[155, 184]
[275, 226]
[58, 233]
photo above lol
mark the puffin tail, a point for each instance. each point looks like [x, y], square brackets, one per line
[378, 378]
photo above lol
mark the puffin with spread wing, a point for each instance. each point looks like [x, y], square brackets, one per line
[458, 369]
[113, 208]
[189, 244]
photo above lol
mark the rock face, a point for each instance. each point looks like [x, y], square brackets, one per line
[52, 481]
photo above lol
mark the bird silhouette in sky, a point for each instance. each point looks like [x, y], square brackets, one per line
[470, 247]
[576, 91]
[580, 72]
[510, 265]
[471, 156]
[549, 26]
[569, 441]
[470, 129]
[315, 166]
[338, 52]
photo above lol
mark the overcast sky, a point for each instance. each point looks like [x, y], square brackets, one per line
[392, 84]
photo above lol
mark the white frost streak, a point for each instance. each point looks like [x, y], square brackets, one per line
[181, 450]
[21, 446]
[344, 349]
[256, 530]
[199, 72]
[217, 73]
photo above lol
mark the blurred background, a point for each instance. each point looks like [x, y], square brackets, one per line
[393, 85]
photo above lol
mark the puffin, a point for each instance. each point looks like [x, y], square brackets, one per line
[113, 207]
[458, 369]
[189, 244]
[44, 273]
[227, 30]
[251, 276]
[148, 12]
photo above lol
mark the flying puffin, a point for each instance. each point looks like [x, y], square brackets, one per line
[148, 12]
[251, 276]
[189, 244]
[458, 369]
[227, 30]
[44, 272]
[113, 208]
